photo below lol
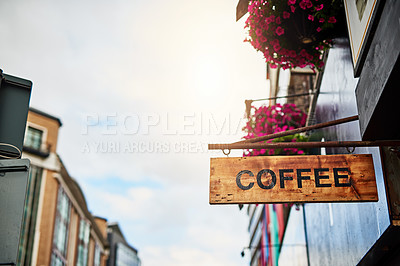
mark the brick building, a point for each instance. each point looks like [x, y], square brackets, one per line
[58, 228]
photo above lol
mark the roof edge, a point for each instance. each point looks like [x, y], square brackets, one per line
[37, 111]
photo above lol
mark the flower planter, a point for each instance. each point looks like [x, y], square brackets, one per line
[294, 33]
[273, 119]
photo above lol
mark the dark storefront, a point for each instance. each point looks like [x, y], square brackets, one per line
[361, 233]
[355, 233]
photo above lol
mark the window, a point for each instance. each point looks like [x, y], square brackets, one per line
[60, 238]
[97, 255]
[30, 215]
[126, 256]
[83, 243]
[33, 138]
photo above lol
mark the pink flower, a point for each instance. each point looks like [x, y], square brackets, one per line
[311, 17]
[279, 31]
[320, 7]
[292, 8]
[270, 19]
[275, 42]
[283, 52]
[263, 39]
[267, 55]
[332, 20]
[292, 53]
[321, 20]
[258, 32]
[303, 5]
[278, 20]
[285, 15]
[303, 53]
[273, 65]
[277, 47]
[291, 2]
[319, 29]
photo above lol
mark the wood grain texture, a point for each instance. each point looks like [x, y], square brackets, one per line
[355, 185]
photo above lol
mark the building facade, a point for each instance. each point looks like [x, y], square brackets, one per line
[58, 228]
[121, 253]
[365, 233]
[268, 222]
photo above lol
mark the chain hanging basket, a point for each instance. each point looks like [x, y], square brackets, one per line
[294, 33]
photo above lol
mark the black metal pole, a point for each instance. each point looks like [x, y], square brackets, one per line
[285, 96]
[277, 145]
[305, 234]
[299, 130]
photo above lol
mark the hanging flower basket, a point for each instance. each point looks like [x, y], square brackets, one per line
[294, 33]
[274, 119]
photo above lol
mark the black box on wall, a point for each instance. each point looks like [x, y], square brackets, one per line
[15, 94]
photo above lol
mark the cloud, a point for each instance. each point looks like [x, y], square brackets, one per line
[172, 225]
[142, 57]
[177, 255]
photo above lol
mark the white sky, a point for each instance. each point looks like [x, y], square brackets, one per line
[108, 69]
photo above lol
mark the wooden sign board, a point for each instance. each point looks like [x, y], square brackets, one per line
[287, 179]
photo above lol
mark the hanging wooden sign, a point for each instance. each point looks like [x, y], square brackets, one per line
[287, 179]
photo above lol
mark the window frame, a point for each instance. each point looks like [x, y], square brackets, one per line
[44, 130]
[55, 252]
[82, 245]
